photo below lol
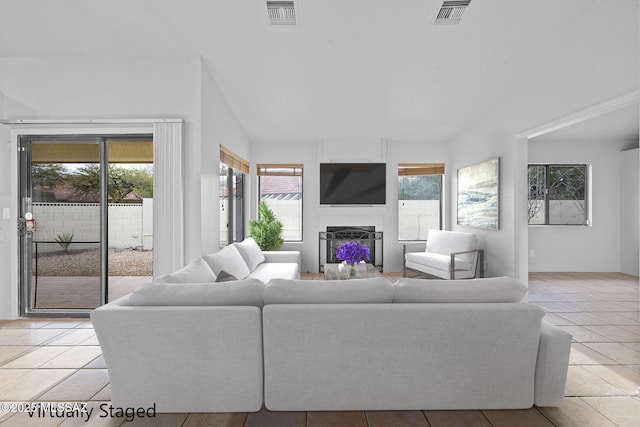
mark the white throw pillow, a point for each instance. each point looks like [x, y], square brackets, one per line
[229, 260]
[194, 272]
[251, 252]
[494, 289]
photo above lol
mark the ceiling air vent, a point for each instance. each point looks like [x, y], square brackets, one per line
[451, 12]
[281, 12]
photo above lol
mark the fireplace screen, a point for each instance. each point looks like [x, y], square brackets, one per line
[331, 240]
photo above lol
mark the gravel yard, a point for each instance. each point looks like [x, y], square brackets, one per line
[122, 262]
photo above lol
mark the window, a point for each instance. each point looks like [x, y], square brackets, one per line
[558, 195]
[280, 187]
[232, 171]
[419, 199]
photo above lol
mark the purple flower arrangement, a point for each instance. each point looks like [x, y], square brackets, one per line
[352, 253]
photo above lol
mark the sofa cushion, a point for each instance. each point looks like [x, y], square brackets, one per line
[281, 270]
[251, 252]
[447, 242]
[374, 290]
[239, 293]
[487, 290]
[437, 261]
[194, 272]
[229, 260]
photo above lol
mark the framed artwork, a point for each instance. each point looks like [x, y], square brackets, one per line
[478, 195]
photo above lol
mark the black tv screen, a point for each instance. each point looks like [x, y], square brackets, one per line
[353, 183]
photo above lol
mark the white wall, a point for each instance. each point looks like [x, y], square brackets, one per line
[498, 245]
[219, 126]
[629, 211]
[317, 217]
[580, 248]
[82, 220]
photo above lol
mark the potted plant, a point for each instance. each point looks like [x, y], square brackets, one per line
[267, 230]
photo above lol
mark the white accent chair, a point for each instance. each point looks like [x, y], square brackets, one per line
[447, 255]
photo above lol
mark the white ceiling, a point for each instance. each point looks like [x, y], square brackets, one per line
[351, 68]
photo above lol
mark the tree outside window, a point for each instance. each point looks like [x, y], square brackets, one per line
[280, 187]
[558, 195]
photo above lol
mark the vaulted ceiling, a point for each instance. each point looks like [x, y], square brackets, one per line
[351, 68]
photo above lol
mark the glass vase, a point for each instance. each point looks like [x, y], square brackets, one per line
[352, 270]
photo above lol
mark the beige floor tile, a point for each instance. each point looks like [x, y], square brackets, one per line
[75, 357]
[266, 418]
[633, 329]
[584, 383]
[588, 307]
[582, 334]
[633, 345]
[64, 324]
[522, 418]
[97, 418]
[622, 411]
[456, 419]
[580, 319]
[556, 319]
[633, 315]
[85, 324]
[27, 323]
[620, 377]
[396, 419]
[619, 352]
[336, 419]
[583, 355]
[81, 386]
[37, 336]
[8, 336]
[27, 387]
[616, 333]
[160, 420]
[104, 394]
[93, 340]
[74, 337]
[23, 419]
[614, 318]
[9, 352]
[97, 363]
[37, 357]
[218, 420]
[574, 412]
[556, 307]
[8, 376]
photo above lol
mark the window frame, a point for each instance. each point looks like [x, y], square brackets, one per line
[422, 169]
[588, 221]
[236, 165]
[284, 169]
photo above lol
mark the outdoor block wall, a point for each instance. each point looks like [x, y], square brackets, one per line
[129, 225]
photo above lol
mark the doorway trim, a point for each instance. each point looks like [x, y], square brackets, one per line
[522, 159]
[168, 224]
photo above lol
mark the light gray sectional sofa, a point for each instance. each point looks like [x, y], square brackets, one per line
[237, 261]
[366, 344]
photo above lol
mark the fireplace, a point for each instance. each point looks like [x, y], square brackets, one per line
[366, 235]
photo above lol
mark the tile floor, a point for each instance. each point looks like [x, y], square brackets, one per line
[58, 360]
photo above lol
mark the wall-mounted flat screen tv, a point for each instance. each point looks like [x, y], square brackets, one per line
[353, 183]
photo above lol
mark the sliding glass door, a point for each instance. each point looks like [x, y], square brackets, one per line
[81, 209]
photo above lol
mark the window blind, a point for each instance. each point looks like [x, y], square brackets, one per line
[413, 169]
[232, 160]
[264, 169]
